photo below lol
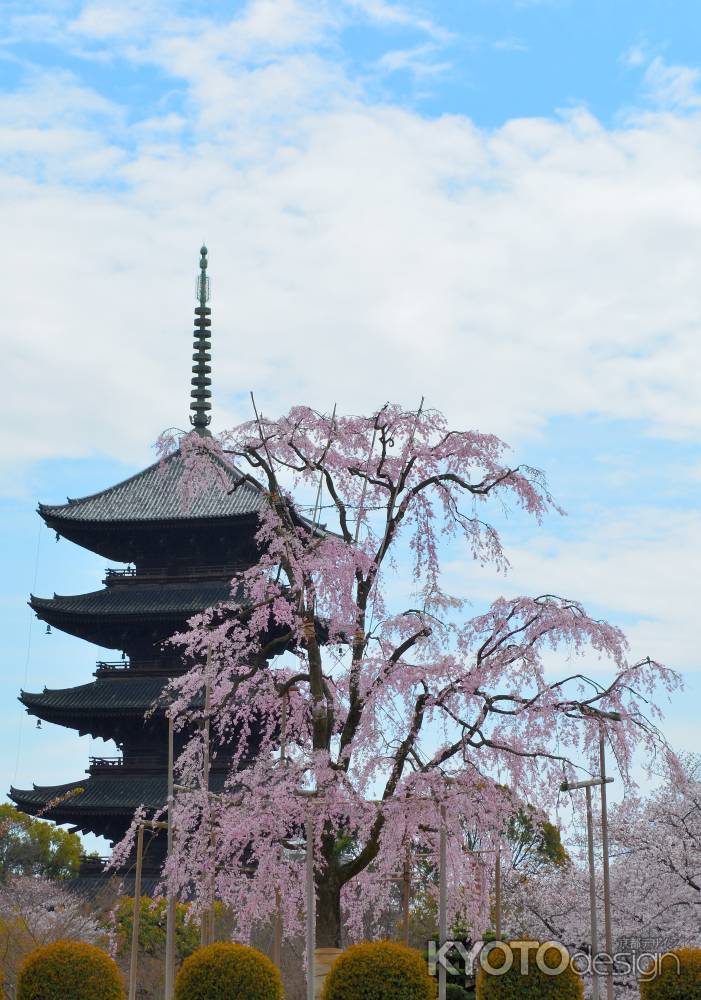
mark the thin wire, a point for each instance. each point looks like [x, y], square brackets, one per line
[382, 547]
[348, 506]
[29, 651]
[365, 485]
[317, 507]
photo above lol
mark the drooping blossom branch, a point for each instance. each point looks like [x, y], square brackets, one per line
[400, 712]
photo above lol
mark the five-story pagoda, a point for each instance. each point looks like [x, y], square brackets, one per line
[180, 561]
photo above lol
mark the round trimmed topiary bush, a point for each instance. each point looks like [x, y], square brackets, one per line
[69, 970]
[228, 972]
[536, 983]
[678, 977]
[381, 970]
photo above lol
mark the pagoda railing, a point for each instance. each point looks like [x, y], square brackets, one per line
[93, 861]
[123, 668]
[155, 573]
[106, 762]
[132, 762]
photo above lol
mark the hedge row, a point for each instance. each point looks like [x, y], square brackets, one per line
[71, 970]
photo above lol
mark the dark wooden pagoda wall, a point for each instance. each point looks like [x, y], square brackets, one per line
[139, 637]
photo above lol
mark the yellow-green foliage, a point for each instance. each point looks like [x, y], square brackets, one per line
[69, 970]
[152, 928]
[678, 978]
[535, 984]
[381, 970]
[228, 972]
[31, 846]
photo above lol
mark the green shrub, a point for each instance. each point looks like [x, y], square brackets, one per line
[381, 970]
[455, 992]
[152, 928]
[535, 984]
[678, 978]
[228, 972]
[69, 970]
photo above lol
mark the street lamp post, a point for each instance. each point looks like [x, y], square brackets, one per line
[310, 891]
[608, 931]
[143, 824]
[171, 907]
[567, 786]
[442, 901]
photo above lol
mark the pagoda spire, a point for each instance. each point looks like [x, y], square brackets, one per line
[202, 369]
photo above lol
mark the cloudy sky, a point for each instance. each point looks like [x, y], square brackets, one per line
[492, 203]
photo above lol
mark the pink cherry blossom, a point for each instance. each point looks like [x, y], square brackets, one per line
[401, 712]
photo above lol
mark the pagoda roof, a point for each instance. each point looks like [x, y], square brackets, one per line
[168, 600]
[127, 695]
[100, 794]
[126, 616]
[117, 793]
[156, 494]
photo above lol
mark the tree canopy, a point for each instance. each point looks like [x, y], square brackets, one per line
[31, 846]
[402, 710]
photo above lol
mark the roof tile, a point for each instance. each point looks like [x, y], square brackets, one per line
[129, 693]
[181, 599]
[155, 494]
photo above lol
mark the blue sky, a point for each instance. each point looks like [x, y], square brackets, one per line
[492, 203]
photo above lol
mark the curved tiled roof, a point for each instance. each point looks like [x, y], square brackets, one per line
[156, 494]
[131, 694]
[121, 792]
[171, 599]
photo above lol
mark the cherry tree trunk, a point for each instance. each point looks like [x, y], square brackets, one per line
[328, 909]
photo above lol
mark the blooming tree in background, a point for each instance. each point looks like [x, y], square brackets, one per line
[36, 911]
[657, 841]
[399, 712]
[655, 880]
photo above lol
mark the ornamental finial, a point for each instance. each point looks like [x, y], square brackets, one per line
[201, 370]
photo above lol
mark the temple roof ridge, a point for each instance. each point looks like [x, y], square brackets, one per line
[106, 692]
[139, 598]
[119, 791]
[153, 495]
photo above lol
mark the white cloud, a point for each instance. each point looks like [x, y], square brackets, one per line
[636, 56]
[420, 60]
[636, 563]
[672, 86]
[359, 252]
[399, 14]
[55, 99]
[511, 43]
[666, 86]
[104, 20]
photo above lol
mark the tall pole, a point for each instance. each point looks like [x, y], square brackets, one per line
[442, 901]
[592, 894]
[608, 931]
[283, 729]
[311, 908]
[212, 886]
[277, 930]
[497, 893]
[206, 914]
[170, 911]
[136, 914]
[406, 896]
